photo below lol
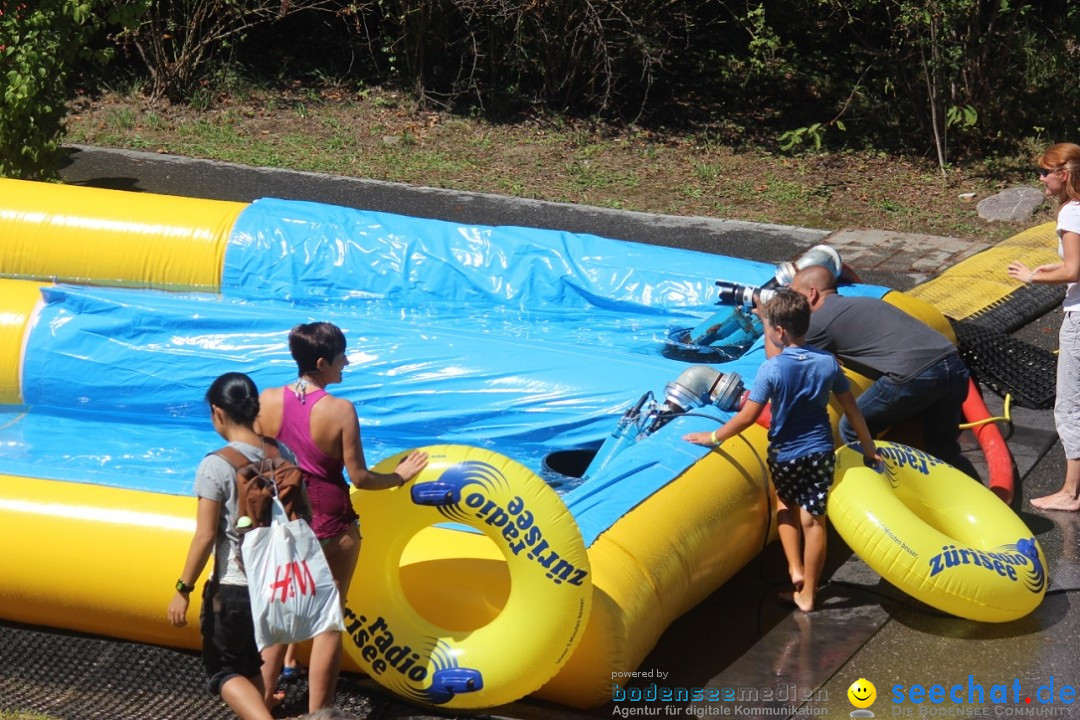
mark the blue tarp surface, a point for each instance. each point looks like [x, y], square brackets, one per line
[524, 341]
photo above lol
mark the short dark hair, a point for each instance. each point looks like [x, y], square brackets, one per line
[235, 393]
[789, 310]
[311, 341]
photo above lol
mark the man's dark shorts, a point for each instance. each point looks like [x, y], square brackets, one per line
[228, 634]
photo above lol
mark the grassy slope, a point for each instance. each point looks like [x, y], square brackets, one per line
[385, 136]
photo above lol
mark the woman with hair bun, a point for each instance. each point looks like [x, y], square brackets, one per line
[231, 658]
[1059, 172]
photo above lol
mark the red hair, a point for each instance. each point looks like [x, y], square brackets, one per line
[1064, 156]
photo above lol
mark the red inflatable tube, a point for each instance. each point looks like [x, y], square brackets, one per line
[998, 458]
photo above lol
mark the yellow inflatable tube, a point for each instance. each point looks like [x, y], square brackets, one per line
[938, 535]
[19, 300]
[84, 235]
[94, 559]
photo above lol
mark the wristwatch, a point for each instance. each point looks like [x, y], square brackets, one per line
[181, 586]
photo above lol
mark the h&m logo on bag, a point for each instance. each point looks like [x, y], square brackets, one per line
[290, 580]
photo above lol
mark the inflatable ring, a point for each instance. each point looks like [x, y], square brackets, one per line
[938, 535]
[550, 592]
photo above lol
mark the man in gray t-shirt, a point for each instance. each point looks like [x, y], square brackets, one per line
[916, 370]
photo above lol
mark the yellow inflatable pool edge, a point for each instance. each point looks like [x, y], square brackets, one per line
[21, 297]
[922, 310]
[61, 233]
[662, 559]
[112, 557]
[937, 534]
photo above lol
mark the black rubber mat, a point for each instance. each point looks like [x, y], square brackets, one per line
[1007, 365]
[1021, 306]
[73, 677]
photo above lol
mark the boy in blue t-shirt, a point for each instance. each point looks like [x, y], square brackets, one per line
[797, 379]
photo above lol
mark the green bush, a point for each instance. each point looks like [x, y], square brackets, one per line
[947, 76]
[577, 56]
[936, 77]
[40, 43]
[181, 41]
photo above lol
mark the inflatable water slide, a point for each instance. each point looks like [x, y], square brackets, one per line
[562, 524]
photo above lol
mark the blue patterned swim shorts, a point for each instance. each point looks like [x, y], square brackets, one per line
[804, 481]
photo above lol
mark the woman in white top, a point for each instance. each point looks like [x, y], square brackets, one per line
[1059, 172]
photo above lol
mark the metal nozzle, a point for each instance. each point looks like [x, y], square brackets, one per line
[818, 255]
[702, 385]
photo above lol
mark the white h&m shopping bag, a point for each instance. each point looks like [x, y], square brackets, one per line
[293, 595]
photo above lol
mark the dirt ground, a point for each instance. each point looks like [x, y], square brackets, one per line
[384, 135]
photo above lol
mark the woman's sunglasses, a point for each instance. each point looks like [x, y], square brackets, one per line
[1043, 172]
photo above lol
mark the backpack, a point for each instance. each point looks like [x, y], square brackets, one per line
[258, 482]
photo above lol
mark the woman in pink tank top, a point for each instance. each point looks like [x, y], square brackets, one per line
[324, 433]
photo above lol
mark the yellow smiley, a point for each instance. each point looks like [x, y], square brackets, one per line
[862, 693]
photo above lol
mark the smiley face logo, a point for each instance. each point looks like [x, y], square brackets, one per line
[862, 693]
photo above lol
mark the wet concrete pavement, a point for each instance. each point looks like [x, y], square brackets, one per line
[741, 636]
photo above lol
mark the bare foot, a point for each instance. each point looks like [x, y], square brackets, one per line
[804, 601]
[796, 578]
[274, 700]
[1060, 500]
